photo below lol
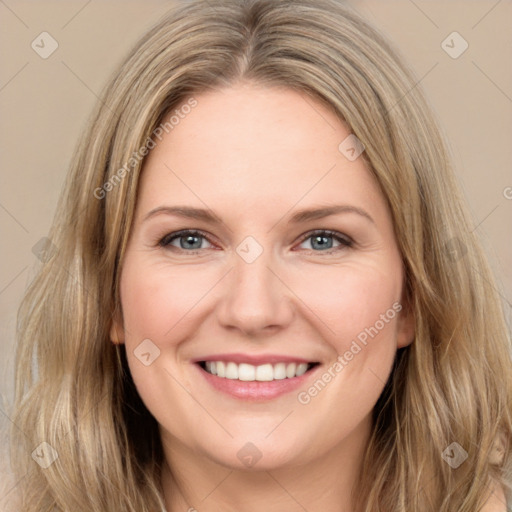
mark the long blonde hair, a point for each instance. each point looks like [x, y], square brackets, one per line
[452, 385]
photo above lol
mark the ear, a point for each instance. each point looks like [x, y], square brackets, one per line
[406, 326]
[116, 328]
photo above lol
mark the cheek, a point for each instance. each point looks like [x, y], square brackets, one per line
[360, 307]
[357, 308]
[368, 318]
[353, 302]
[157, 298]
[159, 303]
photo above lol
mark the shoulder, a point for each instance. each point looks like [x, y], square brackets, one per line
[497, 501]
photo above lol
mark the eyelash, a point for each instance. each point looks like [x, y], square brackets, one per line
[344, 240]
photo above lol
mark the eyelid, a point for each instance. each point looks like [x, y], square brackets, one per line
[329, 232]
[182, 232]
[345, 240]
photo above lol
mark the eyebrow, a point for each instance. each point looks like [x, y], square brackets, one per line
[305, 215]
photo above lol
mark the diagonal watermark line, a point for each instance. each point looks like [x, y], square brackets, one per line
[218, 485]
[2, 498]
[486, 14]
[88, 412]
[14, 76]
[424, 13]
[369, 369]
[319, 113]
[485, 218]
[301, 198]
[76, 14]
[280, 423]
[301, 300]
[77, 280]
[199, 403]
[494, 287]
[413, 87]
[14, 218]
[19, 19]
[17, 426]
[492, 81]
[81, 81]
[85, 85]
[187, 312]
[13, 279]
[287, 492]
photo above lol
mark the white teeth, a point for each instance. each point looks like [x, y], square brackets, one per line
[246, 372]
[221, 368]
[265, 372]
[232, 371]
[280, 371]
[290, 370]
[301, 369]
[249, 373]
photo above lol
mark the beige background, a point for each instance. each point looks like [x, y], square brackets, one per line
[44, 104]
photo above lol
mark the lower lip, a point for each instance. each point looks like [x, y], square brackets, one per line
[256, 390]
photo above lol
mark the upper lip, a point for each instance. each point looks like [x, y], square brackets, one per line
[253, 359]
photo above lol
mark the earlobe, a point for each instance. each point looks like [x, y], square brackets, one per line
[116, 328]
[406, 328]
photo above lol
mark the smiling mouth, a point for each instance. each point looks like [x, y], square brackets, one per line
[250, 373]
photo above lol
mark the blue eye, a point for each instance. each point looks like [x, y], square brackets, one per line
[187, 240]
[191, 241]
[322, 240]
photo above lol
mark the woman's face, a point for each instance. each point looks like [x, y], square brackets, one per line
[258, 292]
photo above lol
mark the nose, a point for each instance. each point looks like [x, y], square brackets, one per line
[256, 299]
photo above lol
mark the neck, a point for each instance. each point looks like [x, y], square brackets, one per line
[192, 481]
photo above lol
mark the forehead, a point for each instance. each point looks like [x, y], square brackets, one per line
[248, 147]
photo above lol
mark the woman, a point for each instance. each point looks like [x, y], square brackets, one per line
[331, 340]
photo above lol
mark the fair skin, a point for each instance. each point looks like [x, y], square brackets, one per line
[255, 156]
